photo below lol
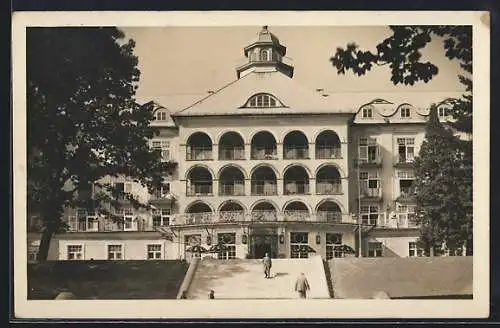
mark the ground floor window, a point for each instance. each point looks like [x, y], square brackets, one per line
[333, 240]
[229, 241]
[75, 252]
[189, 241]
[161, 217]
[115, 252]
[154, 252]
[374, 249]
[414, 250]
[299, 245]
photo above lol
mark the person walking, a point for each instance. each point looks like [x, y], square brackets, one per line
[302, 285]
[267, 266]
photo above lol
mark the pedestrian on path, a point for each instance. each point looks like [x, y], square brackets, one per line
[302, 285]
[267, 266]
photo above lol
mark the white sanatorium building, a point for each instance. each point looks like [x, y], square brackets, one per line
[265, 165]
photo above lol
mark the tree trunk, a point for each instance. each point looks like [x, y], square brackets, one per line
[431, 252]
[43, 250]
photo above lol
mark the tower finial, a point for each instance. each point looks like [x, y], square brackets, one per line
[264, 27]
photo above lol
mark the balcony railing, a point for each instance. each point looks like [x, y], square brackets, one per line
[329, 216]
[231, 216]
[371, 192]
[328, 187]
[296, 187]
[403, 220]
[106, 224]
[297, 215]
[264, 153]
[235, 188]
[199, 154]
[370, 160]
[264, 188]
[231, 153]
[199, 189]
[295, 152]
[264, 215]
[328, 152]
[404, 159]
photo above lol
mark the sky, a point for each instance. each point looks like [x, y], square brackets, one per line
[179, 65]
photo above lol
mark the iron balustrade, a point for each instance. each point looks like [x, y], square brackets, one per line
[295, 152]
[264, 188]
[404, 159]
[296, 187]
[198, 188]
[231, 153]
[264, 153]
[371, 192]
[329, 216]
[233, 188]
[264, 215]
[199, 154]
[328, 187]
[328, 152]
[297, 215]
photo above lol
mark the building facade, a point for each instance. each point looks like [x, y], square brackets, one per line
[263, 165]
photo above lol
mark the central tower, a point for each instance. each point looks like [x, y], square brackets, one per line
[265, 54]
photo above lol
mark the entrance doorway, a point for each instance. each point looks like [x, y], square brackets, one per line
[262, 244]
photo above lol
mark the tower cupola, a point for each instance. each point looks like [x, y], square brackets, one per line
[265, 54]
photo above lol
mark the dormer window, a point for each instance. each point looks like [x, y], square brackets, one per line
[405, 112]
[367, 112]
[161, 115]
[263, 100]
[443, 113]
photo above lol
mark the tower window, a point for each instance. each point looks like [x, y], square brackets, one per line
[264, 55]
[263, 100]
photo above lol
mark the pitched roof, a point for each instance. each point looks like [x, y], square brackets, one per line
[296, 99]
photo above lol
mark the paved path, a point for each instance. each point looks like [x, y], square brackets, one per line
[244, 279]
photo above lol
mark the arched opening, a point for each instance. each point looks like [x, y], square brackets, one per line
[231, 211]
[198, 213]
[199, 147]
[199, 182]
[264, 211]
[295, 146]
[231, 182]
[264, 182]
[264, 55]
[264, 146]
[328, 181]
[328, 145]
[296, 181]
[329, 211]
[296, 211]
[231, 147]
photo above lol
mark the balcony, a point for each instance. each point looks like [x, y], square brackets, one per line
[264, 216]
[373, 161]
[231, 153]
[371, 193]
[328, 187]
[234, 188]
[261, 153]
[406, 195]
[329, 216]
[297, 215]
[199, 189]
[264, 188]
[106, 224]
[401, 220]
[296, 152]
[296, 188]
[401, 160]
[328, 153]
[199, 154]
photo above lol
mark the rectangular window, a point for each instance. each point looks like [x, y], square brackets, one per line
[369, 184]
[374, 249]
[406, 150]
[369, 214]
[229, 240]
[161, 116]
[161, 217]
[367, 112]
[414, 250]
[33, 251]
[154, 252]
[163, 191]
[368, 150]
[405, 112]
[115, 252]
[163, 146]
[299, 245]
[407, 216]
[333, 241]
[75, 252]
[443, 112]
[406, 179]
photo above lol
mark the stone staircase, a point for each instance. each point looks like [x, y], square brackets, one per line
[244, 279]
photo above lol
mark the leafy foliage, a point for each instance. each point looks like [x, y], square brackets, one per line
[402, 53]
[82, 120]
[443, 186]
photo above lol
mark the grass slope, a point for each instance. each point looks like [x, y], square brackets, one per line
[106, 279]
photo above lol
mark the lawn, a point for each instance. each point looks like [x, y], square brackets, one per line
[106, 279]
